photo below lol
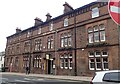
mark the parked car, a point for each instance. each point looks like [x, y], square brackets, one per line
[106, 77]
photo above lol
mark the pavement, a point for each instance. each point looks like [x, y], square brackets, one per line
[60, 77]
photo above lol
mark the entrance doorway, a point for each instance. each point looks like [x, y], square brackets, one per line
[50, 66]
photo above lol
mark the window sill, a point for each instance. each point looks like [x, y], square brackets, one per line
[99, 44]
[66, 67]
[91, 69]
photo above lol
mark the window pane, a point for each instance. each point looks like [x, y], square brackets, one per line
[90, 30]
[66, 40]
[102, 27]
[48, 45]
[102, 35]
[65, 22]
[66, 62]
[91, 64]
[90, 37]
[69, 41]
[70, 63]
[95, 12]
[98, 64]
[39, 31]
[96, 28]
[105, 63]
[91, 54]
[96, 36]
[62, 42]
[104, 53]
[97, 53]
[51, 27]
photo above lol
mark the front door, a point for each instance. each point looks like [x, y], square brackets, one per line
[50, 66]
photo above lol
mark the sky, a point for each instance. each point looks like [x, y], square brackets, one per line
[21, 14]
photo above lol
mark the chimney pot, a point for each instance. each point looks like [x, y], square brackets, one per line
[38, 21]
[18, 30]
[48, 16]
[67, 7]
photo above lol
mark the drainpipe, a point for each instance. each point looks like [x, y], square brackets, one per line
[118, 46]
[75, 59]
[30, 53]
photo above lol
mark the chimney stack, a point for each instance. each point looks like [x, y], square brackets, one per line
[48, 16]
[67, 7]
[38, 21]
[18, 30]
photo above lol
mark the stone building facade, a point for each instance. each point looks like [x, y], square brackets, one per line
[79, 42]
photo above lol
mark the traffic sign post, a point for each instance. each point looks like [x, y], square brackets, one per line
[114, 11]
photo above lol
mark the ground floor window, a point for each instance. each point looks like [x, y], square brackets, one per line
[98, 62]
[37, 61]
[26, 61]
[16, 62]
[66, 61]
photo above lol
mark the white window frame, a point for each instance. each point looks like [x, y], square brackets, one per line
[90, 55]
[52, 43]
[70, 62]
[65, 40]
[61, 62]
[97, 62]
[40, 30]
[51, 26]
[104, 62]
[90, 30]
[96, 54]
[102, 27]
[104, 55]
[66, 58]
[90, 64]
[65, 22]
[95, 12]
[101, 34]
[90, 37]
[49, 43]
[96, 34]
[28, 34]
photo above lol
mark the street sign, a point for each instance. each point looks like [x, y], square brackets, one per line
[114, 10]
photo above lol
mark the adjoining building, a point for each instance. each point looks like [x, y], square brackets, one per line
[79, 42]
[2, 56]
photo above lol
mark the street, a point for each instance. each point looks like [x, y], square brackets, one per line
[15, 79]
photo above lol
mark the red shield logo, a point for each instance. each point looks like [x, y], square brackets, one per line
[114, 10]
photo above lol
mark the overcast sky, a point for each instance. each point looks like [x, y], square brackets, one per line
[21, 13]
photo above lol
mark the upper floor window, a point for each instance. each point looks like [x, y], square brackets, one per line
[65, 22]
[95, 12]
[50, 42]
[18, 48]
[27, 46]
[96, 34]
[12, 49]
[51, 27]
[66, 40]
[28, 34]
[38, 45]
[8, 50]
[39, 30]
